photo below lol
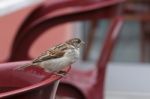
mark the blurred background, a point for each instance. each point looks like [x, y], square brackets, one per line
[128, 70]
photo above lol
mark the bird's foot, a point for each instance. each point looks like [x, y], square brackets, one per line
[61, 73]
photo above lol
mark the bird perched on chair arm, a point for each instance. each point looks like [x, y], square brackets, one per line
[58, 57]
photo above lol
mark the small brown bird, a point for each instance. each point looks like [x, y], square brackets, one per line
[58, 57]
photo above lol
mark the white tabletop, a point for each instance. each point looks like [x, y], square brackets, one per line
[9, 6]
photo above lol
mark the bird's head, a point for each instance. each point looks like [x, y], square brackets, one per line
[76, 42]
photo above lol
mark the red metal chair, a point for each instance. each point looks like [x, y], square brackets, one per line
[82, 84]
[32, 83]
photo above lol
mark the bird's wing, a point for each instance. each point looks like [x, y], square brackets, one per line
[55, 52]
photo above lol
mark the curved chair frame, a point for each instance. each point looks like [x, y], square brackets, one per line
[47, 16]
[26, 84]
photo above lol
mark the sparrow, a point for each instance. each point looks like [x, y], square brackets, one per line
[58, 57]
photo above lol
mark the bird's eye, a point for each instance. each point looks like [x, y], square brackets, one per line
[78, 41]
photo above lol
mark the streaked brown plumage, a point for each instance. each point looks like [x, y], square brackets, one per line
[58, 57]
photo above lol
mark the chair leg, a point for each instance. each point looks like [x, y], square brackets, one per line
[109, 44]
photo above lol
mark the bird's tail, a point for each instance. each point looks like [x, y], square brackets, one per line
[22, 67]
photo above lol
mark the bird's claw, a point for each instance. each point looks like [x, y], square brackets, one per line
[61, 73]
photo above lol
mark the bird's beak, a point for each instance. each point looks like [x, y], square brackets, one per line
[82, 43]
